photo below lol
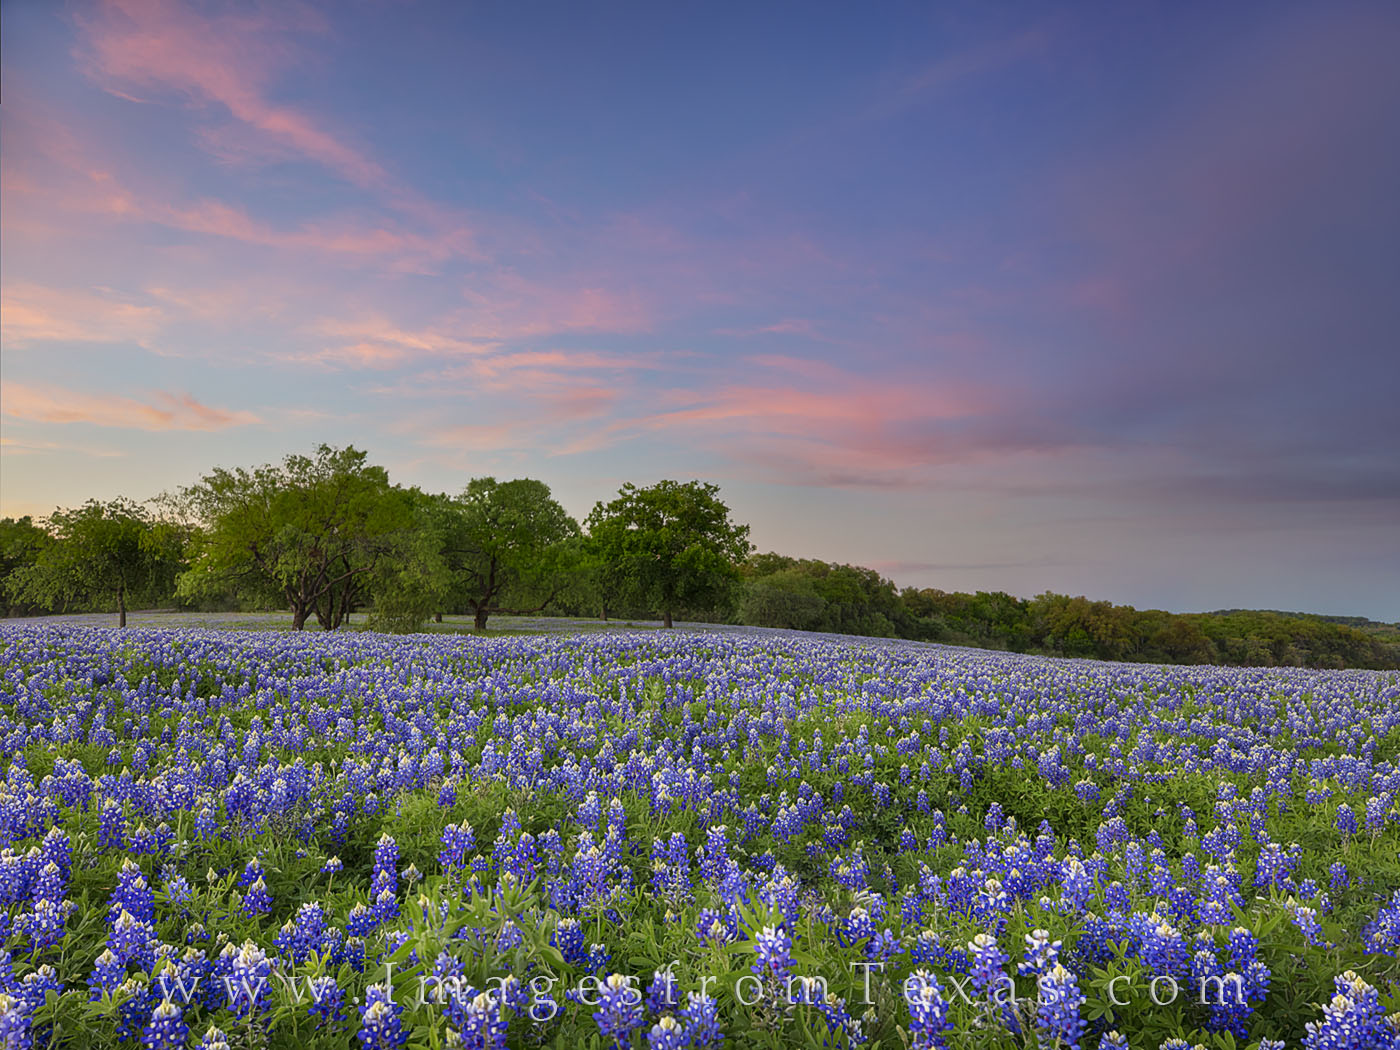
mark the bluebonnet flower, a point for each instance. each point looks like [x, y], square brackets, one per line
[108, 972]
[986, 962]
[15, 1030]
[1305, 919]
[714, 927]
[257, 901]
[1042, 954]
[1057, 1018]
[1338, 875]
[384, 879]
[132, 894]
[477, 1019]
[667, 1034]
[166, 1030]
[1353, 1020]
[457, 841]
[1164, 950]
[619, 1010]
[248, 983]
[381, 1023]
[1382, 934]
[568, 938]
[134, 1010]
[929, 1020]
[662, 993]
[112, 827]
[597, 958]
[772, 954]
[1346, 821]
[700, 1015]
[361, 921]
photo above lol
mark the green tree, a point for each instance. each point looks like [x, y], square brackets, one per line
[506, 547]
[102, 552]
[316, 531]
[787, 598]
[671, 546]
[21, 543]
[410, 588]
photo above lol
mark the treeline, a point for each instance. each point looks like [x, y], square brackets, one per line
[328, 536]
[817, 596]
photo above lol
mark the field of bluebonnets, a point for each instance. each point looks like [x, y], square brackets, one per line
[260, 839]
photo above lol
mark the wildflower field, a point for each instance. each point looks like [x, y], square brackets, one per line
[262, 839]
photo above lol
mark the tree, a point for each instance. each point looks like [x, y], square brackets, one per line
[102, 552]
[787, 598]
[409, 589]
[671, 545]
[506, 547]
[314, 531]
[21, 543]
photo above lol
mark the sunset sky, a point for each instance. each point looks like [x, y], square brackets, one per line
[1097, 298]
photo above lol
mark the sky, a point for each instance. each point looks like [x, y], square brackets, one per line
[1092, 298]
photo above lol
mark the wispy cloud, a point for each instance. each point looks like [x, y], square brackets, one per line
[164, 410]
[139, 49]
[34, 446]
[32, 314]
[225, 66]
[788, 326]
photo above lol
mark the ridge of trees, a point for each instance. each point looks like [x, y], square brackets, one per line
[328, 535]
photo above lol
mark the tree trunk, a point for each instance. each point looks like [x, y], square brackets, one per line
[481, 614]
[121, 606]
[437, 617]
[347, 603]
[298, 619]
[604, 611]
[666, 619]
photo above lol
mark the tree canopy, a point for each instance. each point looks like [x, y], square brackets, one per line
[671, 545]
[102, 552]
[21, 542]
[314, 530]
[505, 548]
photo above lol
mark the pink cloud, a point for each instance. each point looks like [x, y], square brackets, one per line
[377, 343]
[340, 236]
[510, 306]
[31, 314]
[820, 424]
[779, 409]
[170, 411]
[130, 46]
[53, 180]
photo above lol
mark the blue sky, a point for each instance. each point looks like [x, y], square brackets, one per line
[1098, 299]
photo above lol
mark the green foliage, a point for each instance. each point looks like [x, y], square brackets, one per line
[314, 531]
[670, 546]
[21, 544]
[100, 552]
[411, 587]
[507, 547]
[817, 596]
